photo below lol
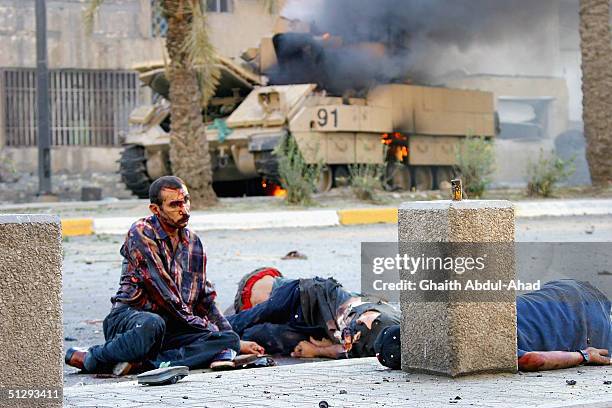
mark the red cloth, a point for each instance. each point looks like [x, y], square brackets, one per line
[248, 287]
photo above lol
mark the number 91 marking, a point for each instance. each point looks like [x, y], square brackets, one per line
[323, 116]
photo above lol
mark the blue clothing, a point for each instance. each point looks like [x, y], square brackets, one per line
[277, 324]
[565, 315]
[283, 307]
[278, 282]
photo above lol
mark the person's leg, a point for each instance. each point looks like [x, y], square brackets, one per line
[195, 349]
[280, 338]
[131, 336]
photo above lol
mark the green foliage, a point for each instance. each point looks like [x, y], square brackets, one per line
[475, 163]
[546, 172]
[366, 180]
[297, 177]
[202, 54]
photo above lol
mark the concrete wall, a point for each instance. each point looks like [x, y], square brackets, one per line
[31, 336]
[122, 34]
[234, 32]
[67, 159]
[524, 87]
[512, 173]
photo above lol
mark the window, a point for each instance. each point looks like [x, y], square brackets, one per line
[88, 107]
[159, 24]
[219, 6]
[524, 118]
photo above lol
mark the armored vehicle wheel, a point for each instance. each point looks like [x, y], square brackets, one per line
[342, 177]
[423, 178]
[325, 180]
[397, 177]
[444, 175]
[133, 169]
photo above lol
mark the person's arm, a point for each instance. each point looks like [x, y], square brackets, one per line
[143, 253]
[209, 309]
[553, 360]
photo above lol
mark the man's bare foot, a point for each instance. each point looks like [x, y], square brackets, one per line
[304, 349]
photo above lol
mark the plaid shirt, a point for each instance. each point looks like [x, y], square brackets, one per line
[154, 278]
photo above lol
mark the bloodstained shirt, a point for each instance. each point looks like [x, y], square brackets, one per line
[158, 279]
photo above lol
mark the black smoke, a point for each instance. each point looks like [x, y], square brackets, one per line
[417, 35]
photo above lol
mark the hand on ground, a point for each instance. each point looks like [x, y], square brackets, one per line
[250, 347]
[598, 356]
[304, 349]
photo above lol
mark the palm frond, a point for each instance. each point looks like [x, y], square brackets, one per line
[201, 52]
[90, 13]
[271, 6]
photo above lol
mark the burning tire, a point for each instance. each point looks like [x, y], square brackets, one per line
[133, 170]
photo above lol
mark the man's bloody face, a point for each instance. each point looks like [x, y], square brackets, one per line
[175, 208]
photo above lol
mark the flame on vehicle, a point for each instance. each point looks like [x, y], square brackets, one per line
[272, 189]
[397, 145]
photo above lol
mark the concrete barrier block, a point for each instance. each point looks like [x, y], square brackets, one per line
[31, 306]
[459, 336]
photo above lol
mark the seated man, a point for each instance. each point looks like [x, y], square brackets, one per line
[289, 315]
[565, 324]
[164, 313]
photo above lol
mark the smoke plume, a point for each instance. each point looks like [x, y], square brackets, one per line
[427, 38]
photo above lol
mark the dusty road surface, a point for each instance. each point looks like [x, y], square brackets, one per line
[92, 264]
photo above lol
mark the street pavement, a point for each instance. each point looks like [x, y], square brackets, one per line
[92, 264]
[355, 383]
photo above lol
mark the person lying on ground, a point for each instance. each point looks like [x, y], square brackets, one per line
[307, 317]
[164, 313]
[565, 324]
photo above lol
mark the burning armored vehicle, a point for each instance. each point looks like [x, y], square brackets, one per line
[293, 85]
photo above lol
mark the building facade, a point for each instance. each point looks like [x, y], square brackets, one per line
[93, 88]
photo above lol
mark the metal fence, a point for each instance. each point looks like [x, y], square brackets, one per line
[88, 107]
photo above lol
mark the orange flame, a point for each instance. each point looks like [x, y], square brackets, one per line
[279, 191]
[389, 139]
[272, 189]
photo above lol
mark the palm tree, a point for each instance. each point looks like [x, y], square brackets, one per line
[192, 81]
[597, 87]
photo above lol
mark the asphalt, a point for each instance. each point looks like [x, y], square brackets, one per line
[115, 217]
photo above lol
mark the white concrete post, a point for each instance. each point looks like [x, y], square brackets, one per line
[31, 307]
[457, 336]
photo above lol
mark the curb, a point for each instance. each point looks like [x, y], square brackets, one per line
[323, 218]
[233, 221]
[74, 227]
[363, 216]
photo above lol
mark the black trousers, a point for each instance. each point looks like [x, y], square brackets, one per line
[136, 336]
